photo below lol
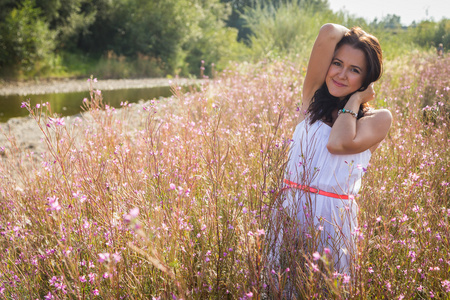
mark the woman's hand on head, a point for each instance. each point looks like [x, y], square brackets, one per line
[364, 96]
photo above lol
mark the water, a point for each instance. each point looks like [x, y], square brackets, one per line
[67, 104]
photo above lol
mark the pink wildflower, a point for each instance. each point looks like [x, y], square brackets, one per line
[133, 214]
[346, 279]
[116, 257]
[316, 256]
[413, 176]
[103, 257]
[446, 285]
[56, 122]
[53, 203]
[92, 277]
[49, 296]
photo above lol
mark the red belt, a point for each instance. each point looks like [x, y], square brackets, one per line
[313, 190]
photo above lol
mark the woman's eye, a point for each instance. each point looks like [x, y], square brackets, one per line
[355, 70]
[336, 63]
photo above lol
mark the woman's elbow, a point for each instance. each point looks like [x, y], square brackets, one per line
[334, 148]
[327, 29]
[331, 30]
[341, 148]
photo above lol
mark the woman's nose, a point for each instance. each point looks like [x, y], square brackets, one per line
[342, 73]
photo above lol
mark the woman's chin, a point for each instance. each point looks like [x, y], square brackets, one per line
[338, 95]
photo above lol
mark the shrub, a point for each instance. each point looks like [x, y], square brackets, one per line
[26, 42]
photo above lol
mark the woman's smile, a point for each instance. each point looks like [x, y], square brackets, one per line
[338, 83]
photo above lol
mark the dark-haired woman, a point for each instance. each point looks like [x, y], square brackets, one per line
[334, 140]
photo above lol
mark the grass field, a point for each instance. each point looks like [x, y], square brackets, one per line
[172, 199]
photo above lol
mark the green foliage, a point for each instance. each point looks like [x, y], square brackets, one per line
[26, 42]
[389, 21]
[429, 34]
[178, 33]
[173, 37]
[443, 33]
[236, 20]
[214, 43]
[5, 8]
[424, 33]
[287, 29]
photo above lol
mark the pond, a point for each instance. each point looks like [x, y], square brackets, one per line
[67, 104]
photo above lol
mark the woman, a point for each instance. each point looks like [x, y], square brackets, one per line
[334, 140]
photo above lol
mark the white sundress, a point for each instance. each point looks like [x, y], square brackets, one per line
[311, 164]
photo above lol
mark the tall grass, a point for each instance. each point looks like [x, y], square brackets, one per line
[172, 198]
[286, 30]
[406, 199]
[290, 28]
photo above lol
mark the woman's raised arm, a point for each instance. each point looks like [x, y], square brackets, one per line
[321, 56]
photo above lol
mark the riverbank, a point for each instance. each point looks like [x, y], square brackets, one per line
[24, 130]
[79, 85]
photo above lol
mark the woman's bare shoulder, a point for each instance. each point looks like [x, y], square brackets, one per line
[381, 114]
[377, 123]
[380, 120]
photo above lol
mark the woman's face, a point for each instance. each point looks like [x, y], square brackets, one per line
[346, 72]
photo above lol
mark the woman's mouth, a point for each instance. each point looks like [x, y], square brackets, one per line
[338, 84]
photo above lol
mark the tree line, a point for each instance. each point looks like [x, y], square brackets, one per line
[161, 37]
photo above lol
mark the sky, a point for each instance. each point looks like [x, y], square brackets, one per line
[408, 10]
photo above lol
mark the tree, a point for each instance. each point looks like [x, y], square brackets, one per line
[424, 33]
[178, 33]
[71, 19]
[443, 34]
[25, 39]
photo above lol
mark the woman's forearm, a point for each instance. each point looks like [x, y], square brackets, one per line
[343, 131]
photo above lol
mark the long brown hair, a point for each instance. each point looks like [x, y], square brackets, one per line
[323, 103]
